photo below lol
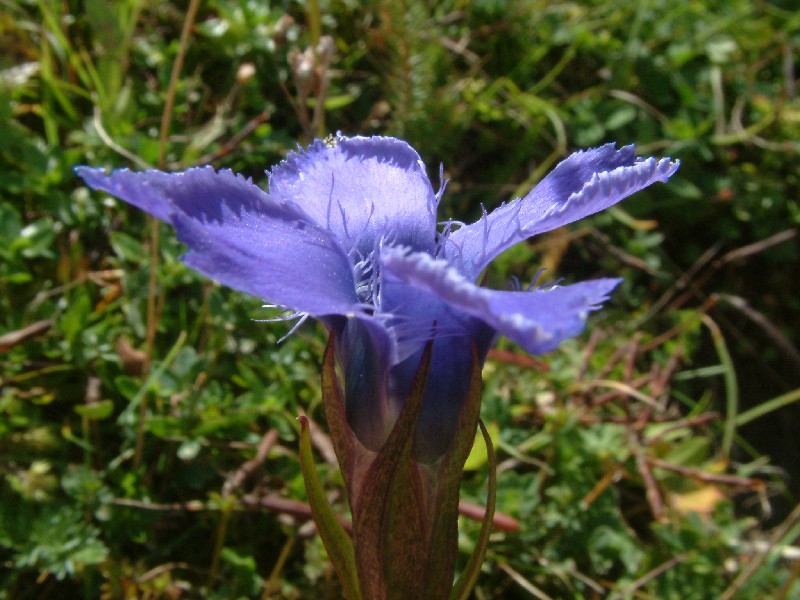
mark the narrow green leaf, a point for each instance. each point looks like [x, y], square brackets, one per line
[96, 411]
[469, 577]
[767, 407]
[336, 541]
[731, 385]
[127, 416]
[478, 455]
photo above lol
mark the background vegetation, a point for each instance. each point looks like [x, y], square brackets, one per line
[147, 424]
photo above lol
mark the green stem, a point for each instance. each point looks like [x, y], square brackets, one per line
[767, 407]
[152, 313]
[314, 22]
[731, 385]
[219, 541]
[469, 577]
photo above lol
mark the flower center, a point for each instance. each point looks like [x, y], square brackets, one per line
[367, 276]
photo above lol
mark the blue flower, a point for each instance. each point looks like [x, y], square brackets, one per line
[348, 234]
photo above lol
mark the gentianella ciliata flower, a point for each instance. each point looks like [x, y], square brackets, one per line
[348, 234]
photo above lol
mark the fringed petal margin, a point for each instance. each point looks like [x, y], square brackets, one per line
[538, 320]
[362, 189]
[581, 185]
[238, 236]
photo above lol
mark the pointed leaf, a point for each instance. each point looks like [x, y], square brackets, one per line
[478, 456]
[337, 542]
[354, 458]
[469, 577]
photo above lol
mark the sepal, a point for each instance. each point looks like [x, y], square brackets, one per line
[446, 482]
[390, 523]
[405, 512]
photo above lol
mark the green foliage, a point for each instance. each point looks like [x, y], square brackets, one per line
[57, 542]
[636, 460]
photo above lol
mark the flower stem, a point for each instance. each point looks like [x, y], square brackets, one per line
[469, 577]
[152, 312]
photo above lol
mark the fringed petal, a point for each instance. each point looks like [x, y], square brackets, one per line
[583, 184]
[363, 190]
[238, 236]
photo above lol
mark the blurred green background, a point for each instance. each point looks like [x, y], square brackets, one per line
[148, 428]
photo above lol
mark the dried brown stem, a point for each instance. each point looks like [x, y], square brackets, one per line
[519, 360]
[500, 521]
[705, 477]
[249, 467]
[15, 338]
[237, 139]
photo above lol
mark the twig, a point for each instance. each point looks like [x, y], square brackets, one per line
[166, 116]
[790, 87]
[756, 247]
[588, 350]
[611, 362]
[152, 313]
[671, 333]
[624, 257]
[249, 467]
[662, 379]
[299, 112]
[273, 583]
[755, 562]
[680, 424]
[101, 131]
[681, 283]
[637, 383]
[610, 477]
[696, 474]
[650, 575]
[501, 521]
[637, 101]
[777, 336]
[322, 442]
[624, 388]
[287, 506]
[651, 487]
[519, 360]
[630, 362]
[626, 420]
[190, 506]
[729, 257]
[15, 338]
[523, 583]
[164, 568]
[231, 144]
